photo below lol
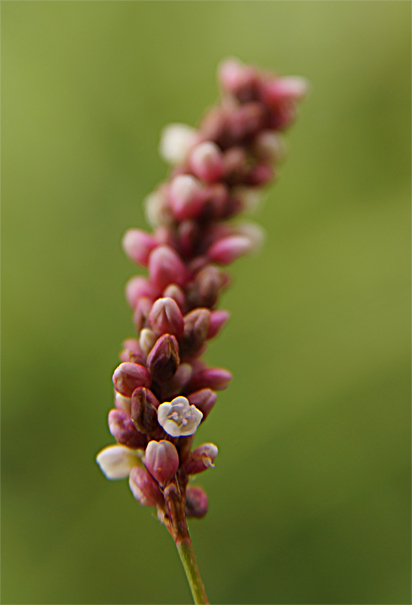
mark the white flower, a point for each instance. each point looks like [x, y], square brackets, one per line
[176, 141]
[116, 461]
[179, 418]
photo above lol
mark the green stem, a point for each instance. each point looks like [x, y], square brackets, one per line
[187, 556]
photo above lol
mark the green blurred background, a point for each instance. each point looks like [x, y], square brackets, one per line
[309, 501]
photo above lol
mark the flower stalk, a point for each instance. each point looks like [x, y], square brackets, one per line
[164, 391]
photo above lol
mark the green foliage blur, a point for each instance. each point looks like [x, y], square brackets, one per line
[309, 500]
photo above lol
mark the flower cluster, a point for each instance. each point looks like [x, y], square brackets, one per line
[163, 389]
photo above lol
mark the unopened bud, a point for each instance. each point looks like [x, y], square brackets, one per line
[165, 267]
[291, 88]
[161, 460]
[209, 281]
[143, 411]
[166, 318]
[175, 292]
[213, 378]
[156, 210]
[141, 312]
[218, 319]
[185, 196]
[138, 245]
[163, 359]
[206, 162]
[176, 141]
[238, 79]
[147, 340]
[228, 249]
[249, 197]
[124, 431]
[259, 175]
[132, 351]
[201, 459]
[144, 488]
[196, 502]
[270, 145]
[128, 376]
[204, 400]
[196, 327]
[138, 287]
[180, 379]
[116, 461]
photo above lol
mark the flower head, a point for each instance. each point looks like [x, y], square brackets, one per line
[178, 417]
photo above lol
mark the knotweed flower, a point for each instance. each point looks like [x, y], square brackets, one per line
[164, 391]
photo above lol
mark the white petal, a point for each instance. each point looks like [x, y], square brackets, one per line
[116, 461]
[176, 141]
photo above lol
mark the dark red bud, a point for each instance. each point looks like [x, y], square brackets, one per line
[143, 413]
[196, 328]
[163, 359]
[204, 400]
[144, 488]
[196, 502]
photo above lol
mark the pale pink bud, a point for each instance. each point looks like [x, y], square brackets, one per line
[176, 141]
[206, 162]
[188, 237]
[196, 327]
[156, 209]
[235, 165]
[138, 245]
[132, 351]
[147, 340]
[228, 249]
[128, 376]
[138, 287]
[196, 502]
[201, 459]
[209, 281]
[218, 319]
[124, 431]
[163, 359]
[185, 196]
[204, 400]
[161, 460]
[122, 402]
[144, 488]
[166, 317]
[291, 88]
[166, 267]
[270, 145]
[175, 292]
[213, 378]
[238, 79]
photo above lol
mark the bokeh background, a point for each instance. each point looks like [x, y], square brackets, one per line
[309, 501]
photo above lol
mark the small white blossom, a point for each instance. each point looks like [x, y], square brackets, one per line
[179, 418]
[116, 461]
[176, 141]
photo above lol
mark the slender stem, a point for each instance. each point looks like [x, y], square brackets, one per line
[187, 556]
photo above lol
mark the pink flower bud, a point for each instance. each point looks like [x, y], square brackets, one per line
[132, 351]
[212, 378]
[188, 235]
[144, 488]
[201, 459]
[261, 174]
[209, 281]
[143, 412]
[137, 287]
[292, 88]
[204, 400]
[163, 359]
[173, 291]
[196, 502]
[228, 249]
[141, 312]
[185, 196]
[161, 460]
[124, 431]
[238, 79]
[166, 267]
[246, 122]
[166, 318]
[206, 162]
[235, 164]
[196, 327]
[270, 145]
[138, 245]
[218, 319]
[128, 376]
